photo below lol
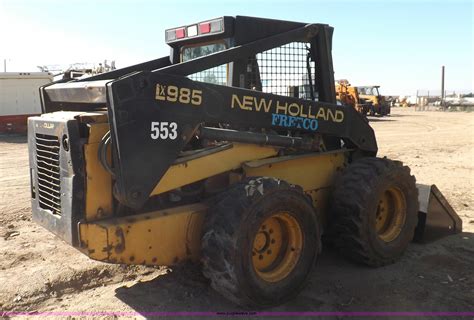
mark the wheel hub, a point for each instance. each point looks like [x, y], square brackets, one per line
[277, 247]
[262, 241]
[391, 214]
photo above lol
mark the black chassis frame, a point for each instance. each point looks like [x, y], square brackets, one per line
[129, 95]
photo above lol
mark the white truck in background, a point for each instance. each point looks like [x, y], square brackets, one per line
[19, 98]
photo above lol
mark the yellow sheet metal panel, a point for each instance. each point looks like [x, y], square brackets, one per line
[93, 241]
[97, 131]
[320, 199]
[194, 233]
[162, 237]
[310, 171]
[100, 116]
[98, 180]
[314, 172]
[197, 169]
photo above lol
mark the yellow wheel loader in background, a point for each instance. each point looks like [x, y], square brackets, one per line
[214, 154]
[348, 95]
[371, 94]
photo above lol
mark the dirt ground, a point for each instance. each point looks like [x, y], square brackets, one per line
[39, 272]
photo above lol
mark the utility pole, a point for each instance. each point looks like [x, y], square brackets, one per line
[442, 86]
[4, 65]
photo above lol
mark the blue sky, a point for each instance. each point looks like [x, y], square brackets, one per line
[400, 45]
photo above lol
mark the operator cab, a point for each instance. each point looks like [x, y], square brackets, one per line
[369, 91]
[287, 70]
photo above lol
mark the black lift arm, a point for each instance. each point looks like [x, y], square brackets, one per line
[154, 110]
[141, 101]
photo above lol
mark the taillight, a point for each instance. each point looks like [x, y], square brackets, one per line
[180, 33]
[203, 28]
[174, 34]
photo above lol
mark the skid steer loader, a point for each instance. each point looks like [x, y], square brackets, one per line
[232, 151]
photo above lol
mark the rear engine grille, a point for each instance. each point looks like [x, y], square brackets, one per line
[47, 160]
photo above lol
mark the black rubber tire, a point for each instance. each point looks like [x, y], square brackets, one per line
[353, 210]
[228, 235]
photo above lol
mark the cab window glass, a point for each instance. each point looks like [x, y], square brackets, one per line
[216, 75]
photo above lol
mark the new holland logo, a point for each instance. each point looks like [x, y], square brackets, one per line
[284, 114]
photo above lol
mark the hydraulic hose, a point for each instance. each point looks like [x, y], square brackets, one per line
[102, 153]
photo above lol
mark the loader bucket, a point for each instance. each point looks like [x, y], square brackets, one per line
[436, 218]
